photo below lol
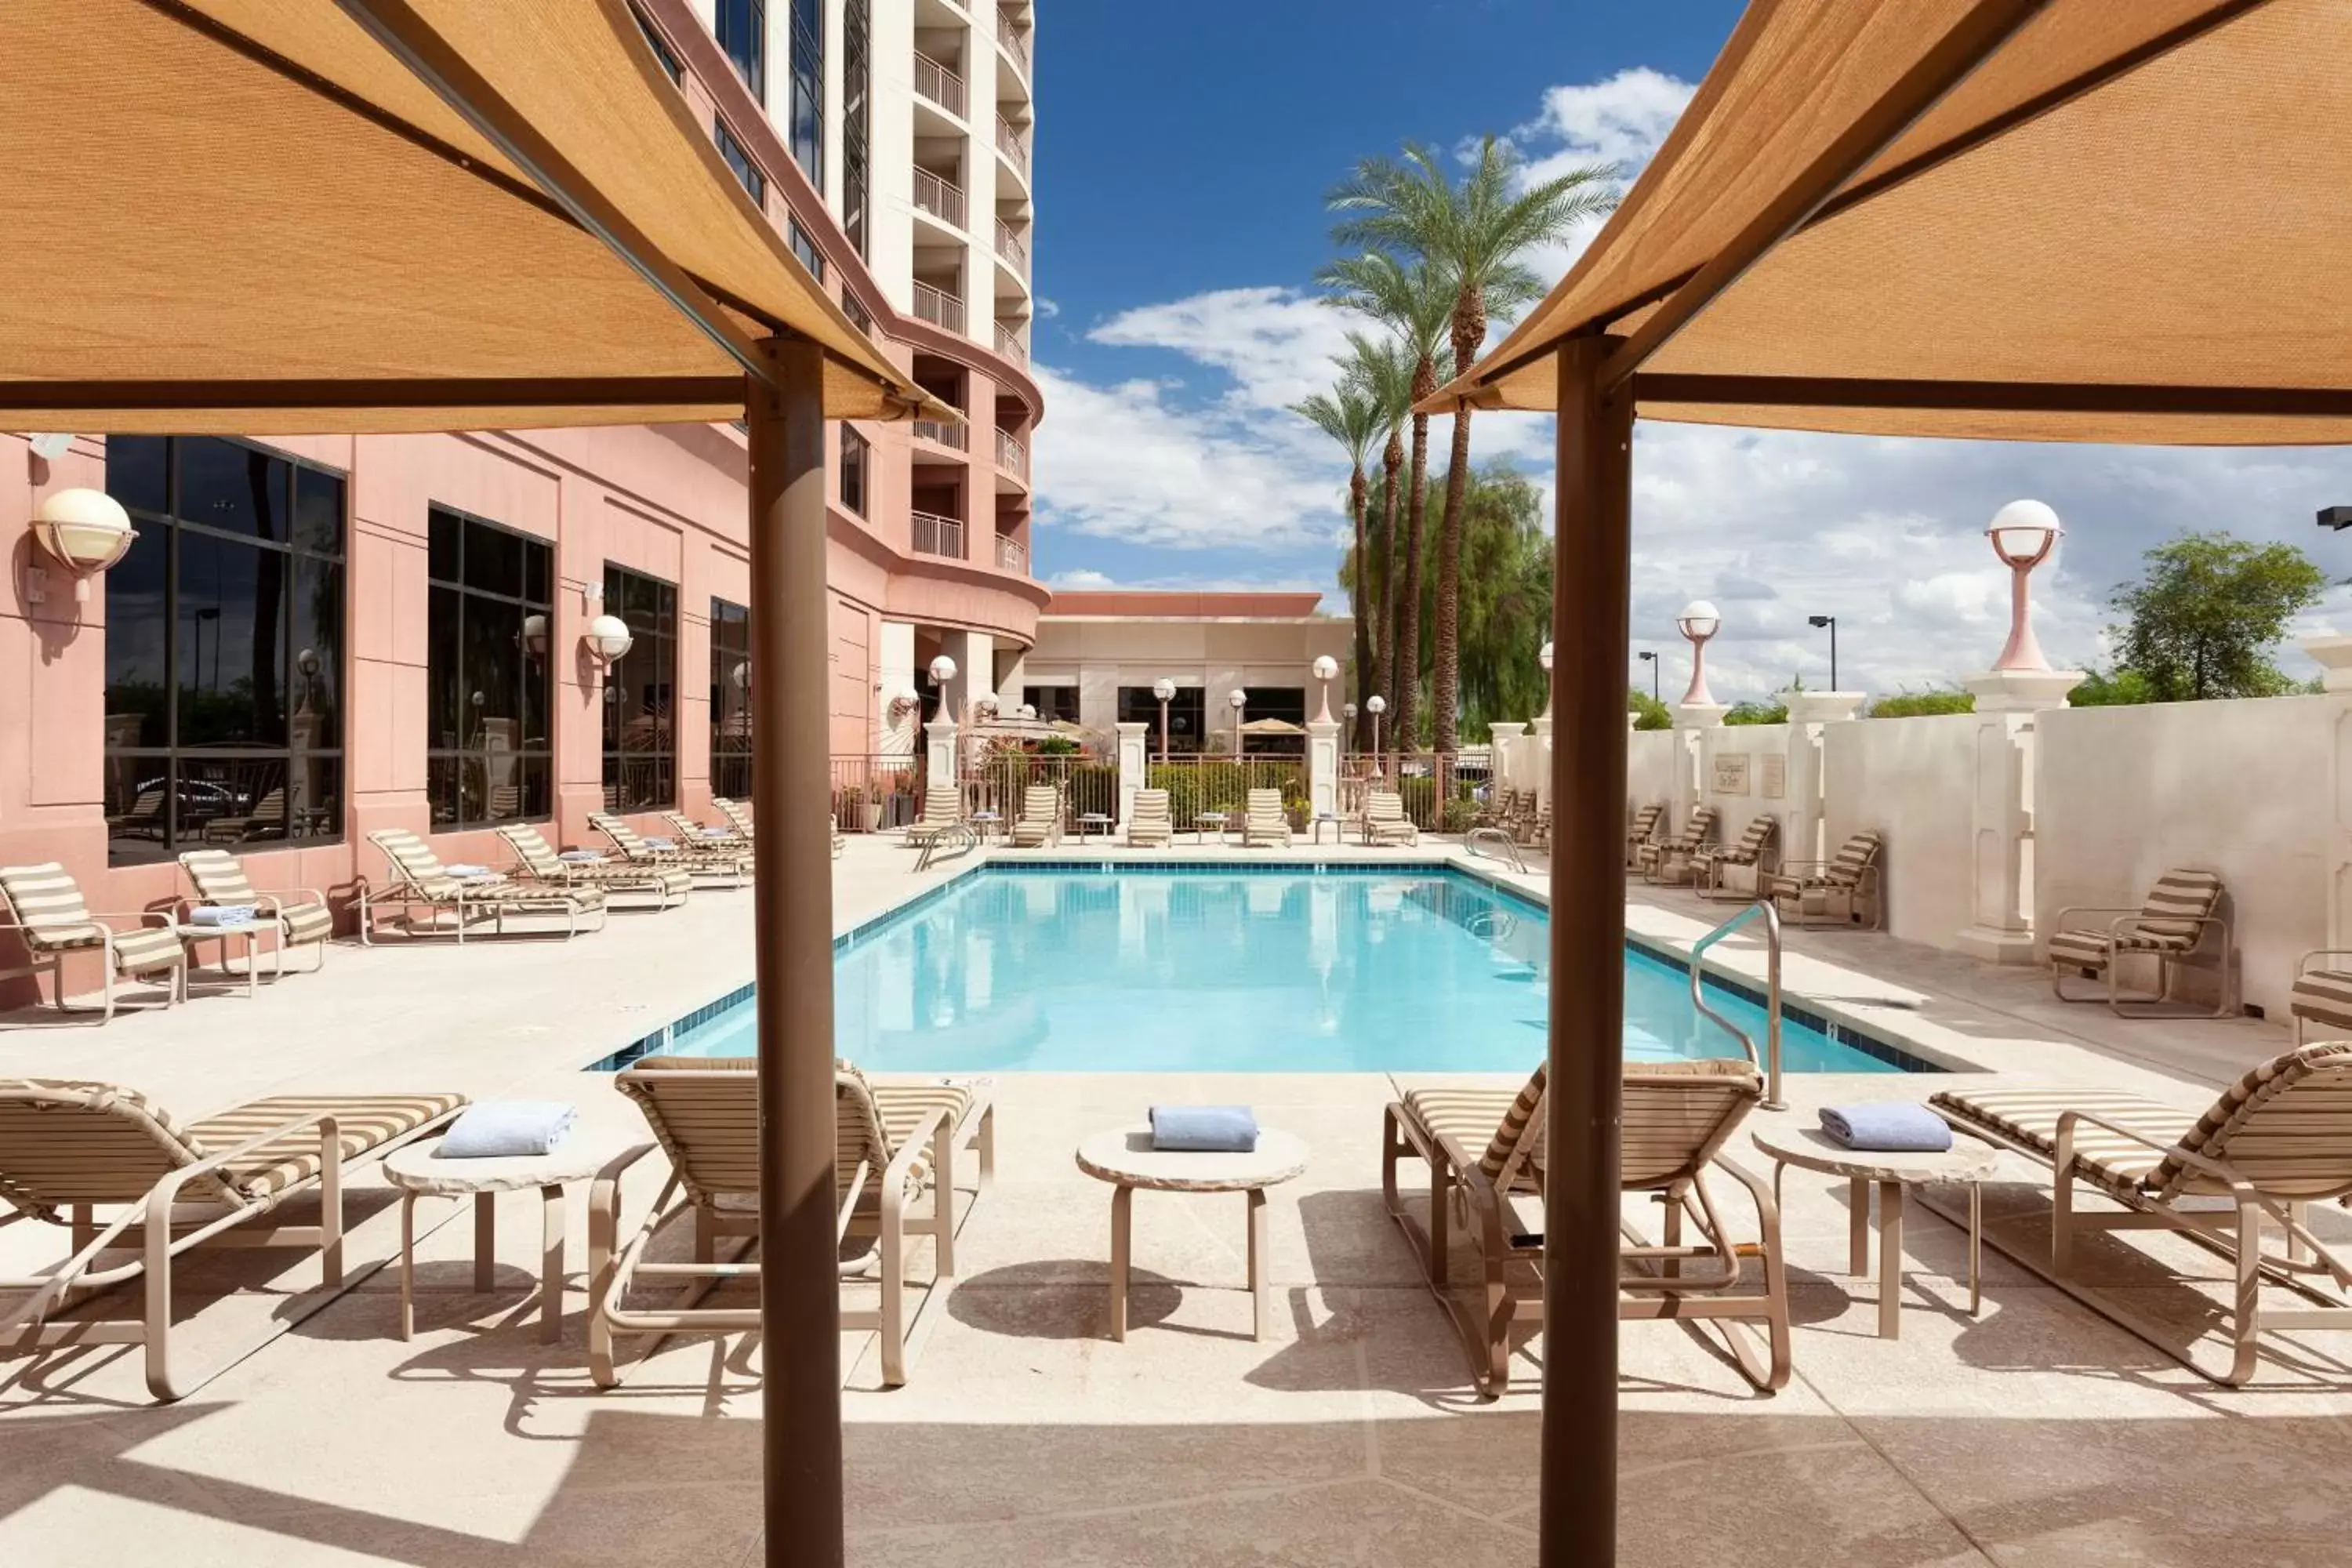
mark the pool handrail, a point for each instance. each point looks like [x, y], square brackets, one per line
[1478, 836]
[1770, 1060]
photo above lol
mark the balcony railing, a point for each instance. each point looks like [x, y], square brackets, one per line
[937, 307]
[1009, 245]
[1010, 453]
[943, 433]
[936, 535]
[940, 84]
[939, 196]
[1009, 34]
[1012, 555]
[1008, 342]
[1013, 144]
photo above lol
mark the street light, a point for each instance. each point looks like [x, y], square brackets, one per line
[1240, 699]
[2023, 533]
[1646, 656]
[943, 669]
[1164, 689]
[1543, 657]
[1376, 705]
[1326, 668]
[1699, 622]
[1831, 622]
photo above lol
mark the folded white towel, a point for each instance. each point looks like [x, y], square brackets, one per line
[469, 872]
[497, 1128]
[652, 843]
[718, 832]
[582, 856]
[221, 915]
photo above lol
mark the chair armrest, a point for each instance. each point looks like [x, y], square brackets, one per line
[2058, 921]
[2303, 964]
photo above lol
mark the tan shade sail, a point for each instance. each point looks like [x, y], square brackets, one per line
[256, 214]
[2126, 224]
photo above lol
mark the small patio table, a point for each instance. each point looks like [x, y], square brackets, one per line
[1125, 1159]
[1202, 820]
[190, 934]
[1093, 822]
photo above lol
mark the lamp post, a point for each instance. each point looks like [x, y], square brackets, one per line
[1164, 689]
[1240, 699]
[1325, 669]
[1698, 623]
[1650, 659]
[943, 669]
[1377, 705]
[2023, 533]
[1543, 657]
[1831, 622]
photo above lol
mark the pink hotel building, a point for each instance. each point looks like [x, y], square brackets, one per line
[319, 635]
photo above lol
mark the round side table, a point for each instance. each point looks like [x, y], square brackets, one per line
[1093, 824]
[1968, 1160]
[418, 1171]
[1125, 1159]
[1204, 820]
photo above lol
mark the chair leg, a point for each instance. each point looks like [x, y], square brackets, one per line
[2245, 1307]
[943, 1200]
[330, 1204]
[894, 1290]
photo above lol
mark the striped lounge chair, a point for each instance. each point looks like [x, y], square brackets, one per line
[2169, 928]
[1753, 851]
[1148, 822]
[536, 860]
[737, 814]
[101, 1160]
[942, 813]
[704, 835]
[1265, 822]
[1484, 1151]
[2323, 991]
[1842, 891]
[302, 917]
[1385, 821]
[1662, 860]
[894, 1142]
[1648, 826]
[43, 906]
[2274, 1143]
[709, 864]
[420, 883]
[1040, 822]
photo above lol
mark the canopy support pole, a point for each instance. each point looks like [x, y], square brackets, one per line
[790, 701]
[1591, 574]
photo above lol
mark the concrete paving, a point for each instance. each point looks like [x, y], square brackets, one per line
[2032, 1433]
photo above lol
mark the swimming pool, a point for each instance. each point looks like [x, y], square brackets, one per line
[1239, 969]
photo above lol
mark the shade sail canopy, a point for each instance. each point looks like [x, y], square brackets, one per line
[261, 216]
[2126, 223]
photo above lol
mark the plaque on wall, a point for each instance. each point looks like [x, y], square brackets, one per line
[1731, 773]
[1775, 781]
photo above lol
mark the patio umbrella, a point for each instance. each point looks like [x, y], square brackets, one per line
[2059, 220]
[442, 215]
[1273, 727]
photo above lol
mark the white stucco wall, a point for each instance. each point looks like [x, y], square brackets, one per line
[1912, 780]
[1651, 779]
[1734, 809]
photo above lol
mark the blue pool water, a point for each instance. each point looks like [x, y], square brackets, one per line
[1213, 969]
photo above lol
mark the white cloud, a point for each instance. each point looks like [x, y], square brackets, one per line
[1621, 121]
[1277, 344]
[1047, 308]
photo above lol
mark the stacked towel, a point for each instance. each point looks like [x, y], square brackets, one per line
[498, 1128]
[582, 856]
[221, 915]
[653, 843]
[1205, 1129]
[718, 832]
[469, 872]
[1893, 1126]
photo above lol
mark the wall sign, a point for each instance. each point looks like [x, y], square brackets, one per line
[1776, 775]
[1731, 773]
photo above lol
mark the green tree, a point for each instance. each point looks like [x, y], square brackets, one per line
[2204, 618]
[1650, 713]
[2119, 688]
[1922, 704]
[1384, 368]
[1753, 712]
[1474, 233]
[1416, 303]
[1348, 417]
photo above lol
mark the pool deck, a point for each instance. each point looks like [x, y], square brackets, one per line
[2035, 1433]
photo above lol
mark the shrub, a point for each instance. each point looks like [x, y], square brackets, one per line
[1919, 704]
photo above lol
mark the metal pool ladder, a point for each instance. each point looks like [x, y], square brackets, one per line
[1770, 1060]
[961, 833]
[1478, 836]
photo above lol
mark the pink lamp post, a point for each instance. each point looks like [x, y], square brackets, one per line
[2023, 533]
[1699, 622]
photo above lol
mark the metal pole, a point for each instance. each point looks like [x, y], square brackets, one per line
[1590, 616]
[1163, 734]
[1833, 684]
[800, 1307]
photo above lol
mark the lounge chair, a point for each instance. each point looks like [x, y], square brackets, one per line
[1385, 821]
[2169, 928]
[143, 820]
[2275, 1142]
[1148, 821]
[942, 813]
[1040, 822]
[537, 861]
[703, 834]
[1844, 891]
[1752, 853]
[301, 918]
[69, 1150]
[266, 820]
[895, 1144]
[419, 881]
[1663, 860]
[1649, 827]
[43, 906]
[840, 840]
[2323, 991]
[720, 864]
[737, 814]
[1483, 1149]
[1265, 822]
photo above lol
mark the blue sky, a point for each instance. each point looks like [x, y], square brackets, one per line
[1182, 156]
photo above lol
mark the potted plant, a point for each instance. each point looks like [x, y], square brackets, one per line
[872, 806]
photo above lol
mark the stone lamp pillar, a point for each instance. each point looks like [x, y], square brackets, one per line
[1134, 747]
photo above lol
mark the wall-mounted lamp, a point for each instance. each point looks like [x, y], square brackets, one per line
[607, 640]
[742, 675]
[534, 636]
[85, 531]
[902, 702]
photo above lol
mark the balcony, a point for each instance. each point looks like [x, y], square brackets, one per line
[940, 84]
[936, 535]
[940, 433]
[1010, 453]
[1014, 145]
[1009, 246]
[1012, 555]
[938, 307]
[1015, 41]
[939, 196]
[1008, 340]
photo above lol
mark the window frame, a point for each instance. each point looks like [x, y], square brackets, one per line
[856, 458]
[727, 650]
[737, 157]
[1135, 704]
[617, 758]
[529, 607]
[751, 16]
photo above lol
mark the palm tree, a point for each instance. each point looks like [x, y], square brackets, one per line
[1347, 415]
[1473, 234]
[1383, 370]
[1417, 303]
